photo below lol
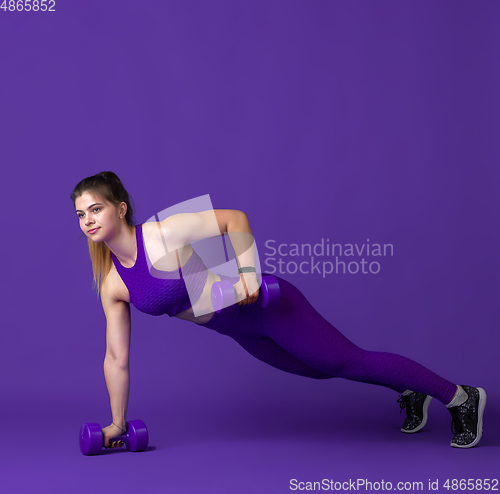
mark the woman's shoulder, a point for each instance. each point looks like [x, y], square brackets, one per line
[113, 289]
[161, 245]
[153, 234]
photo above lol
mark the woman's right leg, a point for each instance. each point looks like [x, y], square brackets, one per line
[305, 335]
[295, 338]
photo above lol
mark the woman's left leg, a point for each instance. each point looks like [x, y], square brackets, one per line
[294, 337]
[303, 333]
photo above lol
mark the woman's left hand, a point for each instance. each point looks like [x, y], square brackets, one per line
[247, 289]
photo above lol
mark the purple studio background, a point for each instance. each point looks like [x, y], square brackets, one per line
[334, 120]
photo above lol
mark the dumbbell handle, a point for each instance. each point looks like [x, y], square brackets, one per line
[125, 437]
[223, 291]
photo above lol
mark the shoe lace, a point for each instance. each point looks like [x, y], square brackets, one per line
[403, 402]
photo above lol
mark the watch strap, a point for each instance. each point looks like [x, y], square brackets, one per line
[247, 269]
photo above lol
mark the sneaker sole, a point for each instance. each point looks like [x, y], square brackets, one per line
[479, 430]
[425, 407]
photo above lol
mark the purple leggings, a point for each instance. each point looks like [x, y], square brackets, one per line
[295, 338]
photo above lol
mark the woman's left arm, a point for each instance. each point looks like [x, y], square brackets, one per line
[247, 289]
[184, 228]
[238, 228]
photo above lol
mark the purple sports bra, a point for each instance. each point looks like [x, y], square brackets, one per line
[166, 292]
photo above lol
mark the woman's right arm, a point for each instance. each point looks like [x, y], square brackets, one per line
[116, 360]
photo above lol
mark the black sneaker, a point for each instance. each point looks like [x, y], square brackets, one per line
[416, 405]
[467, 423]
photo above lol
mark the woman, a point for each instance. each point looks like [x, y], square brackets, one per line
[291, 336]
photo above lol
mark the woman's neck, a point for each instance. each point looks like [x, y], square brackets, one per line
[124, 246]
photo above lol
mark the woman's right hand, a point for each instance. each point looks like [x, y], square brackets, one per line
[110, 432]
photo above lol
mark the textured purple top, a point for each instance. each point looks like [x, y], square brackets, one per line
[166, 292]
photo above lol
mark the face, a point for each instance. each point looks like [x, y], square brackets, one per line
[98, 218]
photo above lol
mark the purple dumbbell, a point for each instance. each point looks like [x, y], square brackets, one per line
[223, 294]
[91, 439]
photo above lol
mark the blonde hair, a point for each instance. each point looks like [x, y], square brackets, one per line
[108, 186]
